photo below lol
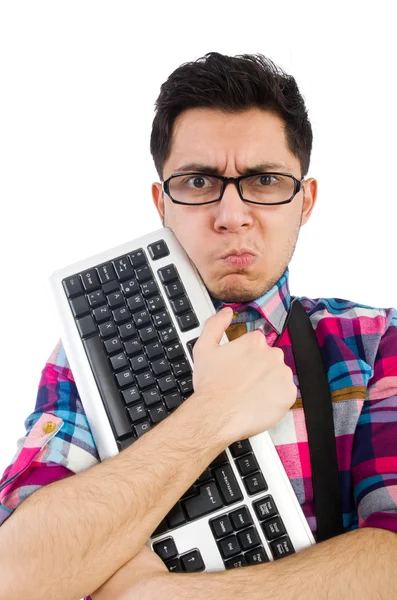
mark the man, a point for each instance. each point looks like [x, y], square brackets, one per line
[238, 117]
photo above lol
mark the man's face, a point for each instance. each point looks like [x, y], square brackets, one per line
[234, 143]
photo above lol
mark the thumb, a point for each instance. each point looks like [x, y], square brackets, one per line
[215, 326]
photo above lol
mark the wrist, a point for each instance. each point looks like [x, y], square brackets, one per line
[203, 408]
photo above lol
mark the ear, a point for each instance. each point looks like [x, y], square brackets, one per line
[158, 199]
[309, 199]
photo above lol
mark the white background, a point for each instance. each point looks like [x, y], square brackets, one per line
[78, 82]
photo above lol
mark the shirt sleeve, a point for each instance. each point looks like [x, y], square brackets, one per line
[58, 441]
[374, 457]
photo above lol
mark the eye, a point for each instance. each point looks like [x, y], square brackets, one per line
[197, 182]
[265, 180]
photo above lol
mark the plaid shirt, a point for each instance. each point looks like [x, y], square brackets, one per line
[359, 347]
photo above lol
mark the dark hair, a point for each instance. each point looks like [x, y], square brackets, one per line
[232, 84]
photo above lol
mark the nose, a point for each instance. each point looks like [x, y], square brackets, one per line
[232, 213]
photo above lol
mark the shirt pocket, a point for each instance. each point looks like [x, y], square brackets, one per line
[30, 453]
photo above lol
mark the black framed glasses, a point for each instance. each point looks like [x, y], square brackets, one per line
[269, 188]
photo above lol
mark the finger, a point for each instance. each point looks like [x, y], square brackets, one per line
[215, 326]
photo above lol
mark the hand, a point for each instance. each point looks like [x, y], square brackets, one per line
[247, 383]
[131, 580]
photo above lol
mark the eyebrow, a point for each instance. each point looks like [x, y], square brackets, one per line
[260, 168]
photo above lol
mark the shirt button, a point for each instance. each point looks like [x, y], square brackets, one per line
[49, 427]
[235, 314]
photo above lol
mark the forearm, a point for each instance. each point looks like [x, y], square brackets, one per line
[358, 565]
[74, 534]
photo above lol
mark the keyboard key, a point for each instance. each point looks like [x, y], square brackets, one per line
[115, 299]
[254, 557]
[221, 526]
[86, 326]
[131, 394]
[236, 562]
[229, 546]
[151, 396]
[273, 528]
[143, 273]
[113, 345]
[190, 345]
[135, 303]
[168, 335]
[192, 561]
[181, 305]
[102, 314]
[106, 272]
[90, 280]
[107, 330]
[168, 274]
[79, 306]
[282, 547]
[187, 321]
[126, 442]
[186, 385]
[240, 518]
[137, 412]
[155, 304]
[174, 351]
[173, 400]
[240, 447]
[133, 347]
[161, 366]
[166, 548]
[147, 334]
[142, 318]
[181, 368]
[96, 298]
[227, 484]
[119, 361]
[265, 508]
[176, 516]
[174, 565]
[139, 363]
[107, 387]
[123, 268]
[127, 331]
[255, 483]
[166, 383]
[150, 288]
[154, 350]
[161, 319]
[207, 500]
[158, 250]
[130, 288]
[145, 379]
[248, 538]
[141, 428]
[125, 378]
[72, 286]
[111, 286]
[173, 290]
[138, 258]
[121, 315]
[158, 413]
[247, 464]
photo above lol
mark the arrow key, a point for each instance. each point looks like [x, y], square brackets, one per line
[192, 561]
[174, 565]
[166, 549]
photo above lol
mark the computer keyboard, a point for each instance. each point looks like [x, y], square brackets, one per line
[129, 320]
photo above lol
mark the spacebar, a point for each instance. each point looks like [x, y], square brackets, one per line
[107, 387]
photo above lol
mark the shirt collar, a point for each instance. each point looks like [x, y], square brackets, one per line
[273, 306]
